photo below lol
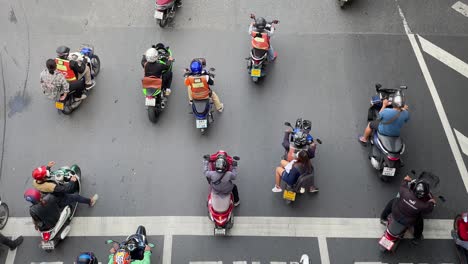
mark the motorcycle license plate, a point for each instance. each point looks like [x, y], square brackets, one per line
[219, 231]
[290, 196]
[256, 72]
[388, 171]
[158, 14]
[384, 242]
[150, 101]
[59, 105]
[203, 123]
[46, 245]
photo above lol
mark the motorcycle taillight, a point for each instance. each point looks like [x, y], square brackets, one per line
[45, 236]
[393, 158]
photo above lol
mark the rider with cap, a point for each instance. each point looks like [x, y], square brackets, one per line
[221, 178]
[301, 140]
[157, 62]
[198, 81]
[414, 200]
[74, 70]
[261, 26]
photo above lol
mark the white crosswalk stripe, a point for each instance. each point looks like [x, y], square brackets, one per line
[461, 8]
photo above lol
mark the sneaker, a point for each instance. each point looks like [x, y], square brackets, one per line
[383, 222]
[83, 96]
[313, 189]
[94, 200]
[90, 86]
[221, 109]
[167, 92]
[16, 243]
[237, 204]
[276, 189]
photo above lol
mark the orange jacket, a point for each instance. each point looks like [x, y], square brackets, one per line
[198, 86]
[64, 67]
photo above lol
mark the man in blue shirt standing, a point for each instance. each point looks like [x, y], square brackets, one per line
[390, 120]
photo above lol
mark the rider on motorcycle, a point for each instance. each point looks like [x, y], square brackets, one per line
[45, 211]
[301, 140]
[159, 66]
[414, 200]
[86, 258]
[221, 178]
[461, 236]
[290, 172]
[141, 253]
[261, 26]
[65, 192]
[390, 120]
[198, 82]
[74, 70]
[53, 83]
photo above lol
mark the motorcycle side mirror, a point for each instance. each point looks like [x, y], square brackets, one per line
[212, 69]
[206, 157]
[236, 158]
[109, 241]
[413, 172]
[252, 16]
[442, 198]
[151, 245]
[287, 124]
[378, 86]
[275, 21]
[403, 87]
[318, 140]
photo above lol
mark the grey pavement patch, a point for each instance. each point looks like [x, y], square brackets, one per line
[12, 16]
[18, 103]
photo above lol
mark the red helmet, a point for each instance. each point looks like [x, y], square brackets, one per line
[32, 195]
[39, 173]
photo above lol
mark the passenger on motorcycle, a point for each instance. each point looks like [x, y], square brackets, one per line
[390, 121]
[65, 192]
[301, 141]
[408, 209]
[86, 258]
[221, 178]
[139, 252]
[156, 62]
[261, 26]
[74, 70]
[198, 82]
[53, 82]
[290, 172]
[45, 211]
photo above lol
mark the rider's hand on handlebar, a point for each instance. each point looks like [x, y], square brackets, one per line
[407, 178]
[171, 59]
[112, 250]
[289, 130]
[51, 164]
[147, 248]
[432, 200]
[405, 107]
[386, 103]
[73, 178]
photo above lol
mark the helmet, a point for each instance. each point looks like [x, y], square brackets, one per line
[421, 189]
[300, 139]
[151, 55]
[398, 100]
[40, 173]
[221, 163]
[122, 257]
[159, 46]
[196, 67]
[86, 258]
[32, 195]
[260, 23]
[63, 51]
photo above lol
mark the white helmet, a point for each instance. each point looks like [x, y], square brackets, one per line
[151, 55]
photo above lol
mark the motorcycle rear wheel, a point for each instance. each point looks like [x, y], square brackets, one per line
[4, 214]
[96, 63]
[163, 22]
[152, 114]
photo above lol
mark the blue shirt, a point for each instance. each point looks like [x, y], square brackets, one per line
[392, 129]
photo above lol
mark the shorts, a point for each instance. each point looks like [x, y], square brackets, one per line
[374, 125]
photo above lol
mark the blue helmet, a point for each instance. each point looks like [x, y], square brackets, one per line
[196, 67]
[86, 258]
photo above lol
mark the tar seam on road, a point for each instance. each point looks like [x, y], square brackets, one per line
[4, 115]
[437, 101]
[29, 49]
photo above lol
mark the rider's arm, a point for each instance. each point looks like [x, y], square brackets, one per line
[311, 150]
[65, 188]
[250, 28]
[428, 207]
[233, 173]
[143, 61]
[286, 141]
[111, 259]
[65, 89]
[147, 258]
[79, 68]
[209, 80]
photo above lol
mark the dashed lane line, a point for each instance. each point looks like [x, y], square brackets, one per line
[461, 8]
[462, 141]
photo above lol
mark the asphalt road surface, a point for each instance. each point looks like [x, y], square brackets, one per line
[328, 62]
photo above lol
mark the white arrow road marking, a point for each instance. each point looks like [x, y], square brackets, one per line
[444, 57]
[461, 8]
[323, 249]
[462, 141]
[435, 95]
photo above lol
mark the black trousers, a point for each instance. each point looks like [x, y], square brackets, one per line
[6, 241]
[418, 226]
[166, 80]
[77, 87]
[235, 192]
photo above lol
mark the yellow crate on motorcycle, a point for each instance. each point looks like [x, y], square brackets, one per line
[256, 72]
[289, 195]
[59, 105]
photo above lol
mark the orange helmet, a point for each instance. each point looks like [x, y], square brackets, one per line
[40, 173]
[122, 257]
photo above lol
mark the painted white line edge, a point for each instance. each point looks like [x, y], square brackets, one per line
[323, 249]
[244, 226]
[444, 57]
[167, 250]
[461, 8]
[462, 141]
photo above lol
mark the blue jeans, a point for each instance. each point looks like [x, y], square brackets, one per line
[70, 198]
[271, 53]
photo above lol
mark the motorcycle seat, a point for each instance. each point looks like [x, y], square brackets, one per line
[391, 144]
[201, 106]
[395, 228]
[305, 181]
[220, 203]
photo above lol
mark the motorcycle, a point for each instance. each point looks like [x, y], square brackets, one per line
[203, 110]
[155, 100]
[220, 207]
[70, 103]
[301, 126]
[258, 59]
[395, 231]
[4, 214]
[342, 3]
[462, 250]
[165, 12]
[126, 248]
[51, 237]
[385, 151]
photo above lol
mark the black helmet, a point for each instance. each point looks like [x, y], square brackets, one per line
[260, 23]
[86, 258]
[220, 163]
[62, 51]
[300, 139]
[421, 189]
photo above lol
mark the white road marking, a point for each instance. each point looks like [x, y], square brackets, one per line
[239, 262]
[323, 249]
[444, 57]
[244, 226]
[437, 102]
[405, 23]
[462, 141]
[167, 250]
[10, 259]
[461, 8]
[278, 262]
